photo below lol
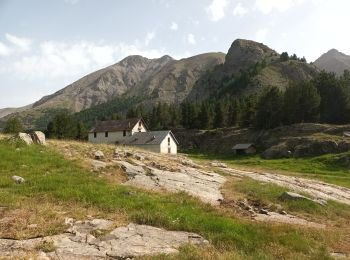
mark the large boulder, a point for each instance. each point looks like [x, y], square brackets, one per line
[38, 137]
[315, 148]
[277, 152]
[24, 138]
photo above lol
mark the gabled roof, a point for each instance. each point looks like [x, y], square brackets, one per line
[116, 125]
[242, 146]
[148, 138]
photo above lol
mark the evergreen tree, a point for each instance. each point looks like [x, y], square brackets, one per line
[205, 116]
[62, 126]
[269, 109]
[233, 112]
[301, 103]
[220, 117]
[13, 126]
[284, 56]
[334, 107]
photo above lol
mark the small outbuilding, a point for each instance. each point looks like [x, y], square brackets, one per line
[244, 149]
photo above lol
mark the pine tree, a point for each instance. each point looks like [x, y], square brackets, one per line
[13, 125]
[269, 109]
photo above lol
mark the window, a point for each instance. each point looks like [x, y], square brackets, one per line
[106, 134]
[95, 134]
[140, 123]
[169, 149]
[124, 133]
[168, 140]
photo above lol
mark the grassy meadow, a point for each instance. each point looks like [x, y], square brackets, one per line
[56, 188]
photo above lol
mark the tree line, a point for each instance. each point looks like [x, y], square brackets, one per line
[324, 99]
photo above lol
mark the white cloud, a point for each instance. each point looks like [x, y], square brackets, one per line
[174, 26]
[240, 10]
[20, 42]
[16, 45]
[260, 35]
[267, 6]
[216, 10]
[4, 50]
[53, 60]
[191, 39]
[149, 37]
[72, 2]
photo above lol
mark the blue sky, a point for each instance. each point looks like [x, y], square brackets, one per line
[47, 44]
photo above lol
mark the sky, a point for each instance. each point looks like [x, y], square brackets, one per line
[47, 44]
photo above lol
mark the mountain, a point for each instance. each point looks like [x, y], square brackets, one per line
[249, 67]
[333, 61]
[10, 110]
[153, 80]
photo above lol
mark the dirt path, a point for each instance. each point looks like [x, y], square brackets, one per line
[316, 189]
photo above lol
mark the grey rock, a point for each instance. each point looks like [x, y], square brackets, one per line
[25, 138]
[218, 164]
[139, 157]
[18, 179]
[38, 137]
[292, 196]
[98, 165]
[99, 155]
[121, 243]
[277, 152]
[264, 211]
[202, 184]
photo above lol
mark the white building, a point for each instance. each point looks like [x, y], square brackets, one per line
[133, 132]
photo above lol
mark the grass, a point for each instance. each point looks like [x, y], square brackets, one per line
[268, 194]
[49, 175]
[325, 168]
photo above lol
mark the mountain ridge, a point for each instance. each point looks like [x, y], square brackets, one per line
[168, 80]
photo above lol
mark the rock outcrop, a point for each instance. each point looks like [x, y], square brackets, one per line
[81, 242]
[199, 183]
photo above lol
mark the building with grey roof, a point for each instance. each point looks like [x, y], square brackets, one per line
[133, 132]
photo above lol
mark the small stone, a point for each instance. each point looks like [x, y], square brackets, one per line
[283, 212]
[139, 157]
[264, 211]
[33, 226]
[98, 165]
[99, 155]
[18, 179]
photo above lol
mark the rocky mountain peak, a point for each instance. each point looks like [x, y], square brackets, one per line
[245, 53]
[333, 61]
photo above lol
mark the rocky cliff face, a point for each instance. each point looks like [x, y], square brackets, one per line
[333, 61]
[245, 53]
[260, 64]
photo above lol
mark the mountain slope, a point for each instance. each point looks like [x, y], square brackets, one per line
[246, 69]
[10, 110]
[333, 61]
[249, 67]
[153, 80]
